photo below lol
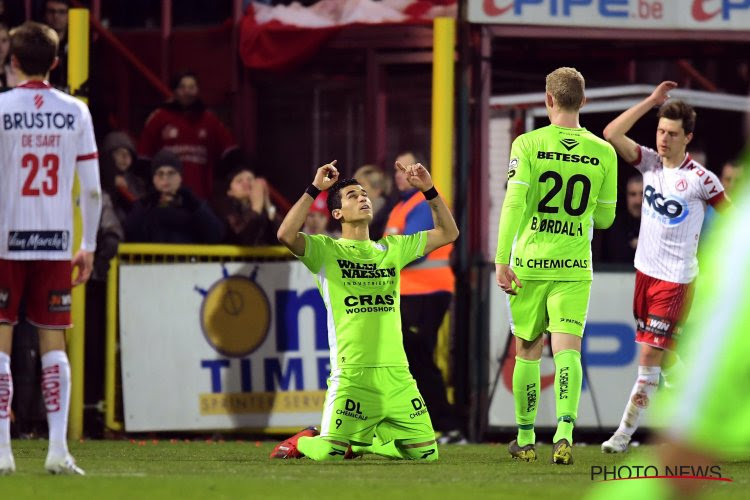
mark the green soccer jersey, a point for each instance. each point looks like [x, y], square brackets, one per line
[359, 283]
[564, 174]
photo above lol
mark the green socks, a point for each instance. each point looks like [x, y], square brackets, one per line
[568, 378]
[318, 449]
[526, 384]
[379, 448]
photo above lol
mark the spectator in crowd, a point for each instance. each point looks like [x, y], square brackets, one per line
[622, 238]
[731, 174]
[171, 213]
[7, 77]
[184, 126]
[318, 216]
[427, 287]
[56, 17]
[119, 180]
[246, 210]
[378, 187]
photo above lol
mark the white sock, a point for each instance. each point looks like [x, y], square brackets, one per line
[640, 397]
[6, 397]
[56, 392]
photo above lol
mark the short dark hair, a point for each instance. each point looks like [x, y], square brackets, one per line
[676, 109]
[334, 193]
[35, 47]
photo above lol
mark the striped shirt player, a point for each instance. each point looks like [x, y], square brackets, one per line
[45, 137]
[674, 204]
[676, 192]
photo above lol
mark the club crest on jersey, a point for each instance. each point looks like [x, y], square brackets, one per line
[681, 185]
[38, 101]
[670, 210]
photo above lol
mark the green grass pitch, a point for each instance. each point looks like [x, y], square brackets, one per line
[235, 469]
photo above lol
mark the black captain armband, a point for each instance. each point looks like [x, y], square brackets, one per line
[312, 191]
[430, 193]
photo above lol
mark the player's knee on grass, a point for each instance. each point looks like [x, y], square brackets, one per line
[413, 450]
[320, 450]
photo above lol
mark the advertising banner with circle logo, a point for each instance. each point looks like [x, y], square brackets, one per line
[212, 346]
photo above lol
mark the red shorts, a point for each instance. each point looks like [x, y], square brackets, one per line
[46, 286]
[659, 307]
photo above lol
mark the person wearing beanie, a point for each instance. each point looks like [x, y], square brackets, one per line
[184, 125]
[171, 213]
[119, 179]
[249, 217]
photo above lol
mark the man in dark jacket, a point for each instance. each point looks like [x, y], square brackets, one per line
[171, 213]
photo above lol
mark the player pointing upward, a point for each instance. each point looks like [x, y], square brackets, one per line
[562, 182]
[45, 135]
[370, 388]
[676, 191]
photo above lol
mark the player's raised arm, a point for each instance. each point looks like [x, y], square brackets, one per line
[445, 230]
[288, 232]
[617, 128]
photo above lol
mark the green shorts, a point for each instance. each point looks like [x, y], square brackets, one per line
[549, 306]
[362, 401]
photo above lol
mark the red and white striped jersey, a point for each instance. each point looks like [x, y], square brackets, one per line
[45, 135]
[674, 203]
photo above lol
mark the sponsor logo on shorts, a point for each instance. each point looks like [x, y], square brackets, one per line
[21, 241]
[59, 301]
[420, 408]
[352, 409]
[655, 324]
[4, 298]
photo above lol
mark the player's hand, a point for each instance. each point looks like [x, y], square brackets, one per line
[84, 262]
[660, 95]
[326, 176]
[417, 176]
[505, 278]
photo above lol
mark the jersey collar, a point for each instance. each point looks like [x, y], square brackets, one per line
[34, 84]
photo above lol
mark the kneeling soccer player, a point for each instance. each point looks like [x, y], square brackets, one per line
[370, 389]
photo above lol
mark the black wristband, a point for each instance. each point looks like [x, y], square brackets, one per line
[430, 193]
[312, 191]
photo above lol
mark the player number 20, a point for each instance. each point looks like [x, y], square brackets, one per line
[557, 184]
[50, 163]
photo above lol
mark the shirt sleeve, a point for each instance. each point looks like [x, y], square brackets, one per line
[409, 247]
[519, 175]
[647, 159]
[608, 191]
[87, 166]
[314, 251]
[710, 188]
